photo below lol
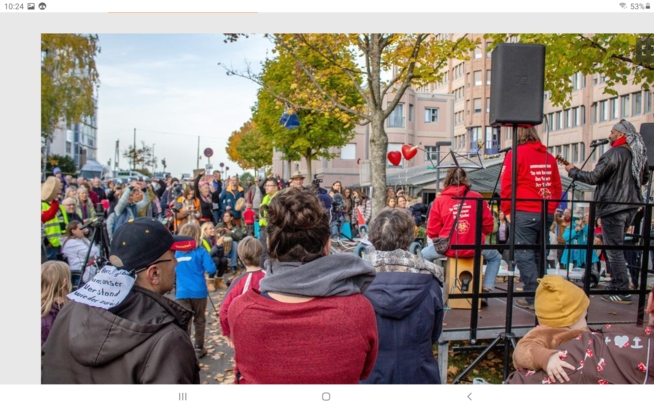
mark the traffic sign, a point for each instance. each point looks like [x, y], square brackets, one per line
[208, 152]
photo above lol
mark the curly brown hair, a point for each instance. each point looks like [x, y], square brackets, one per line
[298, 226]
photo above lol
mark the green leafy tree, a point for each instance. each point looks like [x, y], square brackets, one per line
[68, 79]
[254, 148]
[415, 60]
[140, 158]
[318, 131]
[65, 163]
[618, 57]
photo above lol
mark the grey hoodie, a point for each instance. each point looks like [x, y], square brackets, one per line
[335, 274]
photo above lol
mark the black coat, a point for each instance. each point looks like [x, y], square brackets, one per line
[614, 181]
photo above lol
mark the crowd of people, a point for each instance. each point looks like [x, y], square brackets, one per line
[325, 317]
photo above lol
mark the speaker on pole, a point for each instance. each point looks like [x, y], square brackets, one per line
[517, 84]
[647, 132]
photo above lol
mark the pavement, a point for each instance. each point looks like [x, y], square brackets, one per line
[217, 367]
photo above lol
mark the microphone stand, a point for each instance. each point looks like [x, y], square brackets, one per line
[573, 185]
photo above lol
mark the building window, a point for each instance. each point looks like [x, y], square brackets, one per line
[488, 77]
[487, 105]
[431, 153]
[582, 152]
[575, 153]
[477, 78]
[593, 157]
[575, 117]
[468, 80]
[566, 151]
[492, 140]
[431, 115]
[478, 52]
[625, 105]
[614, 108]
[69, 148]
[349, 151]
[603, 111]
[396, 118]
[550, 121]
[558, 150]
[637, 101]
[557, 124]
[583, 115]
[410, 112]
[475, 137]
[648, 101]
[566, 119]
[468, 107]
[477, 105]
[394, 147]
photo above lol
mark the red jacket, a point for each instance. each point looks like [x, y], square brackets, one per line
[238, 287]
[443, 212]
[538, 178]
[248, 216]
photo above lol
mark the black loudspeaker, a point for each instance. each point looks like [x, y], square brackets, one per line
[517, 82]
[647, 132]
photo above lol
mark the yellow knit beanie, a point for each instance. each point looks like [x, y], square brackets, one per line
[558, 302]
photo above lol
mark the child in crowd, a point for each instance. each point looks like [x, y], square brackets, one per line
[191, 287]
[249, 251]
[561, 309]
[248, 216]
[55, 285]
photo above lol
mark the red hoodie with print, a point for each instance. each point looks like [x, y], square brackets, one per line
[538, 178]
[443, 212]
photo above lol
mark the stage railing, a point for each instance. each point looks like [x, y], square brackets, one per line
[542, 250]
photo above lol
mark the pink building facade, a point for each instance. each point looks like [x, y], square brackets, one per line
[420, 118]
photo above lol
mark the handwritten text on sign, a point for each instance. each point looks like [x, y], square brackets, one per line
[107, 289]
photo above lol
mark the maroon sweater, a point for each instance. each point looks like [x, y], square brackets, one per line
[331, 340]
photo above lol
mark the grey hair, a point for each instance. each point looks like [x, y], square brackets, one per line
[392, 229]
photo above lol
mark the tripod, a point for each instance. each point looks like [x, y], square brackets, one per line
[99, 236]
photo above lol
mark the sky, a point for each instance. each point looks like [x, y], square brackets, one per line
[164, 84]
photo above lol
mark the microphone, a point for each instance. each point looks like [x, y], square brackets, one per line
[508, 148]
[599, 142]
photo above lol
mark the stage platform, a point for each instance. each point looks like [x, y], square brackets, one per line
[491, 319]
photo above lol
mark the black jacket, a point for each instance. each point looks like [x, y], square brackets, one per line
[612, 175]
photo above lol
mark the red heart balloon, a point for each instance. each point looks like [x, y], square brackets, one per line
[409, 151]
[394, 157]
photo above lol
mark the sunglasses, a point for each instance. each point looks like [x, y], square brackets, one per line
[150, 265]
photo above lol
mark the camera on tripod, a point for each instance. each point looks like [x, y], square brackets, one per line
[316, 181]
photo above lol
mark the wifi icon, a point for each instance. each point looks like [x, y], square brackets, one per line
[623, 5]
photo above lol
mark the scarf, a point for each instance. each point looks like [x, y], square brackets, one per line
[638, 150]
[399, 261]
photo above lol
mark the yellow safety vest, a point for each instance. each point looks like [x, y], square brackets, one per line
[262, 213]
[53, 229]
[205, 243]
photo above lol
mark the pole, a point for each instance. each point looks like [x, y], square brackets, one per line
[197, 163]
[154, 162]
[134, 157]
[438, 171]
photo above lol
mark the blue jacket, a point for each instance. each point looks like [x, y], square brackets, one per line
[409, 311]
[576, 256]
[190, 273]
[229, 198]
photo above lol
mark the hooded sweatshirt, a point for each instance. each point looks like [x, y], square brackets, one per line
[330, 339]
[538, 178]
[143, 340]
[407, 297]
